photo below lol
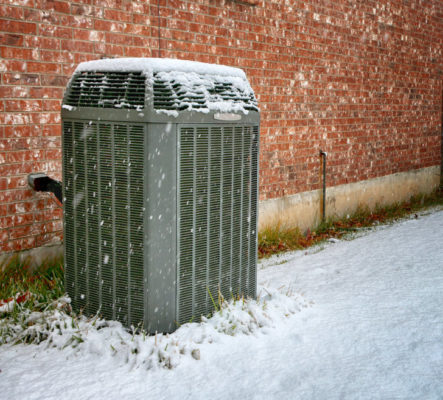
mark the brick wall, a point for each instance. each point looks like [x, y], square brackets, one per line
[359, 79]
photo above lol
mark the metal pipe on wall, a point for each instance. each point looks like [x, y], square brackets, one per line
[324, 155]
[441, 156]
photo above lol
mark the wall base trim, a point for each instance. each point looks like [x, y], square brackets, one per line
[303, 210]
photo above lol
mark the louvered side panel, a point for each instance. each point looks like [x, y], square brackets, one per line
[121, 226]
[106, 223]
[201, 237]
[135, 222]
[186, 226]
[103, 185]
[68, 209]
[216, 211]
[93, 220]
[246, 210]
[252, 287]
[237, 200]
[215, 192]
[227, 210]
[79, 206]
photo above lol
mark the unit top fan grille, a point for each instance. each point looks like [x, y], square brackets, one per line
[121, 90]
[191, 91]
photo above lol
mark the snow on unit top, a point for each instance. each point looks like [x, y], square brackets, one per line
[177, 85]
[151, 65]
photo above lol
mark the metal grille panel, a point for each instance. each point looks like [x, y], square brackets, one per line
[124, 90]
[171, 94]
[103, 206]
[217, 203]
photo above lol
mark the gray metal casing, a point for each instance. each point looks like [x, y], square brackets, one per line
[161, 212]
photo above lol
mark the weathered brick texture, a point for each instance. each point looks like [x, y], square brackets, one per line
[359, 79]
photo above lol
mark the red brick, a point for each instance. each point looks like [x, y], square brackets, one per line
[17, 138]
[141, 19]
[34, 15]
[15, 119]
[54, 80]
[54, 154]
[55, 31]
[16, 182]
[84, 22]
[9, 196]
[78, 58]
[20, 79]
[82, 9]
[113, 50]
[47, 215]
[17, 53]
[147, 42]
[13, 91]
[17, 26]
[88, 35]
[11, 12]
[58, 6]
[45, 118]
[117, 15]
[11, 39]
[26, 155]
[51, 130]
[56, 56]
[17, 220]
[43, 68]
[22, 244]
[117, 38]
[77, 46]
[12, 66]
[23, 105]
[41, 42]
[109, 26]
[138, 52]
[46, 92]
[4, 236]
[51, 105]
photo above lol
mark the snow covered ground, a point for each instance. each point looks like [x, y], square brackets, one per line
[373, 329]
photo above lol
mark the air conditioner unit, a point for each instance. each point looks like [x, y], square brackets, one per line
[160, 185]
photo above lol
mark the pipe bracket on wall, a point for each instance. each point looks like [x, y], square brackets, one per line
[40, 182]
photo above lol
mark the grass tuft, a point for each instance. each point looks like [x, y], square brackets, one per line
[279, 238]
[19, 276]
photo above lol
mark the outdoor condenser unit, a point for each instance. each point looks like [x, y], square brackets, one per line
[160, 184]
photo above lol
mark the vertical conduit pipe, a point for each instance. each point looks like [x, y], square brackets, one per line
[324, 155]
[441, 156]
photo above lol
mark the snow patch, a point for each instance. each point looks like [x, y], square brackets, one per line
[151, 65]
[76, 336]
[78, 199]
[68, 107]
[8, 305]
